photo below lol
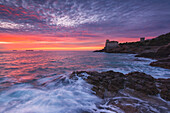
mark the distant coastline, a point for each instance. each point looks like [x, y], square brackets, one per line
[29, 50]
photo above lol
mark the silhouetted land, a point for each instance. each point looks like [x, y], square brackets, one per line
[156, 48]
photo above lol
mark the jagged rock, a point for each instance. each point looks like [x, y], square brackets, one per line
[107, 84]
[76, 74]
[142, 82]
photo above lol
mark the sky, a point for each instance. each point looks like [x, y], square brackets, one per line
[79, 24]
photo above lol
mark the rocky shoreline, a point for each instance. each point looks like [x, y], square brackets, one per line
[110, 85]
[157, 48]
[161, 55]
[124, 90]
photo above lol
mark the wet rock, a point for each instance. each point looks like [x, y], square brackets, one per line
[165, 92]
[105, 83]
[164, 87]
[134, 105]
[164, 63]
[141, 82]
[163, 52]
[76, 74]
[122, 105]
[161, 64]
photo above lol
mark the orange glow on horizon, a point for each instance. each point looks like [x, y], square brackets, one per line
[39, 42]
[60, 48]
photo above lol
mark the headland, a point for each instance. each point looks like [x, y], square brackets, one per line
[157, 48]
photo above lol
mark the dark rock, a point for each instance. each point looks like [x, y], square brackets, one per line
[76, 74]
[161, 64]
[163, 80]
[160, 40]
[164, 63]
[122, 49]
[104, 83]
[163, 51]
[164, 86]
[107, 84]
[102, 50]
[142, 82]
[165, 92]
[134, 105]
[147, 55]
[164, 59]
[122, 105]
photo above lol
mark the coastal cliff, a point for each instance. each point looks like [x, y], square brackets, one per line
[157, 48]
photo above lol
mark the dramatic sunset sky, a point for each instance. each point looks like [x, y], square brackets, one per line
[79, 24]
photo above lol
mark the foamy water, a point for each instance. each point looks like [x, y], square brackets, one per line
[37, 82]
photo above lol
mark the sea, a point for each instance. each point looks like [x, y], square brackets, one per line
[38, 81]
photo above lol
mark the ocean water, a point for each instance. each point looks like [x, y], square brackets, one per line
[38, 81]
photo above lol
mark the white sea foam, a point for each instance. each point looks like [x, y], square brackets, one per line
[73, 97]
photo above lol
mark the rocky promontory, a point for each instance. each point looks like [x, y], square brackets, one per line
[157, 48]
[125, 90]
[107, 83]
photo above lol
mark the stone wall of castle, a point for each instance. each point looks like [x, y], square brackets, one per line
[110, 45]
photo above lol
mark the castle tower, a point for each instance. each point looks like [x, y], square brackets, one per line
[142, 39]
[107, 41]
[109, 45]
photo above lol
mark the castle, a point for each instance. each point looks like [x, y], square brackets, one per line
[110, 45]
[142, 39]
